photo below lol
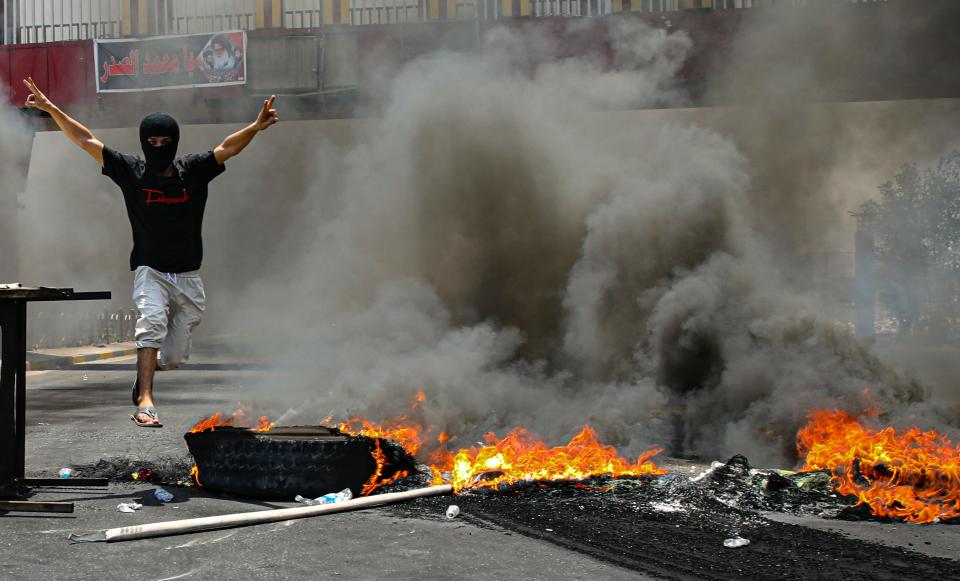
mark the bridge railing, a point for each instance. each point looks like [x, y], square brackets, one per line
[50, 328]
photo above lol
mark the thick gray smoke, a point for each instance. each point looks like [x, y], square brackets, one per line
[806, 158]
[14, 154]
[489, 244]
[513, 240]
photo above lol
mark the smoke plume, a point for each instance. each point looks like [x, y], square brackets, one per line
[514, 238]
[487, 244]
[14, 154]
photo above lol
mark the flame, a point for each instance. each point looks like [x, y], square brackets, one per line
[400, 429]
[515, 458]
[518, 458]
[421, 397]
[377, 480]
[263, 425]
[239, 418]
[912, 475]
[195, 473]
[208, 424]
[407, 435]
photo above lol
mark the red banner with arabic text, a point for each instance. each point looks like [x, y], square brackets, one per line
[171, 62]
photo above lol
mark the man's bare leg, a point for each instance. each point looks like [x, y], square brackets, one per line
[146, 367]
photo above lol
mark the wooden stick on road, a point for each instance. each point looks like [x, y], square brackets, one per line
[209, 523]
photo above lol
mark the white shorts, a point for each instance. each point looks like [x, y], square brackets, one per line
[171, 306]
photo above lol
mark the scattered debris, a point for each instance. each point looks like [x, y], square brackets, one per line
[452, 511]
[129, 507]
[65, 473]
[709, 471]
[736, 484]
[168, 470]
[90, 537]
[669, 506]
[614, 520]
[736, 542]
[162, 495]
[144, 475]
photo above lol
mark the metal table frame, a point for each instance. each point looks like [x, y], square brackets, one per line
[13, 396]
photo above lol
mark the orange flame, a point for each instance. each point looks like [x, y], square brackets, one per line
[376, 479]
[421, 397]
[515, 458]
[239, 418]
[195, 473]
[912, 475]
[263, 425]
[208, 424]
[407, 435]
[518, 458]
[400, 429]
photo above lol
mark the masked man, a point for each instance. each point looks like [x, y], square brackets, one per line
[165, 197]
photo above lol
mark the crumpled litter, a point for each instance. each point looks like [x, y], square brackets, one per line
[143, 474]
[90, 537]
[713, 468]
[736, 542]
[129, 507]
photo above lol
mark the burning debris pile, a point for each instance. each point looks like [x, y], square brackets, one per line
[519, 459]
[268, 461]
[673, 528]
[737, 485]
[913, 475]
[500, 464]
[849, 471]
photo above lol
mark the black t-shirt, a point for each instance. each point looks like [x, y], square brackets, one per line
[166, 213]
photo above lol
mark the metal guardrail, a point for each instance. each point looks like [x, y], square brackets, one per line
[28, 21]
[191, 16]
[56, 20]
[53, 328]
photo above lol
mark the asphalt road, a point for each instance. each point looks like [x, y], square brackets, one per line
[79, 416]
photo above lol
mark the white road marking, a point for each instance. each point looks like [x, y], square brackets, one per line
[181, 576]
[200, 542]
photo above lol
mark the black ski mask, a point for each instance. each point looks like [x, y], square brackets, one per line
[159, 125]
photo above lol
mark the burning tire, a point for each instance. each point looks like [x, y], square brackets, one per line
[284, 462]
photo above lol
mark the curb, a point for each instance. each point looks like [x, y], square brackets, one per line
[61, 362]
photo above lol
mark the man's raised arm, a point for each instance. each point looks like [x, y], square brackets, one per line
[70, 126]
[235, 143]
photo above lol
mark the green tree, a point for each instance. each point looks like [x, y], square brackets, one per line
[916, 222]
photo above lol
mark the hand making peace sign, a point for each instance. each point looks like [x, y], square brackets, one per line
[268, 115]
[37, 99]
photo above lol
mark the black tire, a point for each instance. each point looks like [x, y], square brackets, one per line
[284, 462]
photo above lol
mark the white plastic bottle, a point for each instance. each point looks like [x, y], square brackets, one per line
[329, 498]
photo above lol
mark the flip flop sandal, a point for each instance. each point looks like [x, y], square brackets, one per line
[152, 413]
